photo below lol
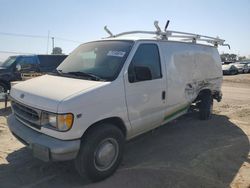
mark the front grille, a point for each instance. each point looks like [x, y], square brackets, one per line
[25, 112]
[26, 122]
[26, 115]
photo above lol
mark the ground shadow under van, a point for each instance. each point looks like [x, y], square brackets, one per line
[186, 152]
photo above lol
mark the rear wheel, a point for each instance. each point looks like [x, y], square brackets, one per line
[101, 152]
[206, 105]
[3, 89]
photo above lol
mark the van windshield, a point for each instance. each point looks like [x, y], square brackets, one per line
[8, 62]
[102, 60]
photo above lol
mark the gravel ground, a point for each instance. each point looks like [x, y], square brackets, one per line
[186, 152]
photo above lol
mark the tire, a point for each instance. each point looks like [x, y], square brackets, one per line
[3, 88]
[206, 105]
[101, 152]
[233, 72]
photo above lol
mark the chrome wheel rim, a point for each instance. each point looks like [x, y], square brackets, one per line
[106, 154]
[1, 89]
[2, 92]
[211, 108]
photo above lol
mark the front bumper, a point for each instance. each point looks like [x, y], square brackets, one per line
[43, 147]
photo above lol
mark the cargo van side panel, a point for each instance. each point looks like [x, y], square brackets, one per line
[190, 68]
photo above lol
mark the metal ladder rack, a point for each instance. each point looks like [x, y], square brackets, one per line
[173, 35]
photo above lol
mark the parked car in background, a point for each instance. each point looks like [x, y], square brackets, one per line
[246, 66]
[14, 66]
[242, 68]
[229, 69]
[227, 62]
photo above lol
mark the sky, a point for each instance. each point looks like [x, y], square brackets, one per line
[72, 22]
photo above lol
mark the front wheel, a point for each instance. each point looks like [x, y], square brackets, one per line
[206, 105]
[101, 152]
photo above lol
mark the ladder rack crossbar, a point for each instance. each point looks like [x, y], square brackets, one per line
[168, 34]
[194, 35]
[135, 32]
[178, 35]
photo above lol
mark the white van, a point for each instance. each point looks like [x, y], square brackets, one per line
[109, 91]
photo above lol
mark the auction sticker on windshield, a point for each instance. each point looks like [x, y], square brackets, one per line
[116, 53]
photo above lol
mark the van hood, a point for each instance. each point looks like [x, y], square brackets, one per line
[46, 92]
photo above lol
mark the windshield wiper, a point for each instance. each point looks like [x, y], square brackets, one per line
[55, 72]
[84, 74]
[77, 74]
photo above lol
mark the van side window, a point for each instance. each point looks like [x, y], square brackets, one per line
[145, 64]
[26, 62]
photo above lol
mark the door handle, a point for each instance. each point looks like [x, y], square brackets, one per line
[163, 95]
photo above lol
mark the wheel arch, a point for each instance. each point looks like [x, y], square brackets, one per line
[202, 92]
[118, 122]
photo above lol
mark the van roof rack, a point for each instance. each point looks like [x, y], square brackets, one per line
[173, 35]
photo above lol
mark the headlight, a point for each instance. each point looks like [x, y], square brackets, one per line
[60, 122]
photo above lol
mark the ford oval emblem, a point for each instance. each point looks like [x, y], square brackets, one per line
[22, 96]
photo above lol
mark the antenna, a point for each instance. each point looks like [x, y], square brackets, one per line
[108, 31]
[166, 26]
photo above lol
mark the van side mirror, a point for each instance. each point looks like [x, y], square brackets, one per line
[142, 73]
[18, 67]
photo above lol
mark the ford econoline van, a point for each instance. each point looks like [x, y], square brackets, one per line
[111, 90]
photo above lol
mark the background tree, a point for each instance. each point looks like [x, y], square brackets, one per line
[228, 57]
[241, 58]
[57, 51]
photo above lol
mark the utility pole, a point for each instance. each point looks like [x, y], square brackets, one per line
[53, 43]
[48, 42]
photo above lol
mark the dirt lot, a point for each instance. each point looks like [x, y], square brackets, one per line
[184, 153]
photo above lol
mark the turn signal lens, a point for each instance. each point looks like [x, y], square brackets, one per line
[64, 121]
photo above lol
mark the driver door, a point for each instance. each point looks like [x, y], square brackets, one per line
[145, 94]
